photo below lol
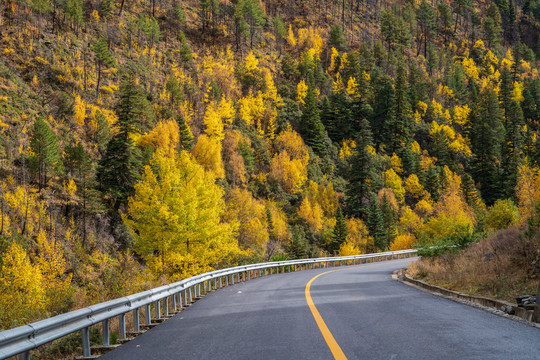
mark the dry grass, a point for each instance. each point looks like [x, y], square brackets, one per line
[502, 266]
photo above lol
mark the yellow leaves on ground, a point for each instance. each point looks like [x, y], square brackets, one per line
[251, 215]
[289, 164]
[176, 218]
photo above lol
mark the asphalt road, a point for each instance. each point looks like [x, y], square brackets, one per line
[369, 315]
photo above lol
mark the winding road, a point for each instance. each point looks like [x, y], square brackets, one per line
[366, 313]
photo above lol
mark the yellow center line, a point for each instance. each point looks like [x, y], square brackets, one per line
[327, 335]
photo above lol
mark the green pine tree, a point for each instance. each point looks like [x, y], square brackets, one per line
[375, 223]
[45, 154]
[103, 58]
[340, 232]
[311, 127]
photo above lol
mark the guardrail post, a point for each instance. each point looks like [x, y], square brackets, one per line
[174, 303]
[215, 283]
[105, 325]
[243, 276]
[25, 355]
[86, 342]
[122, 326]
[166, 306]
[147, 313]
[136, 324]
[190, 294]
[158, 309]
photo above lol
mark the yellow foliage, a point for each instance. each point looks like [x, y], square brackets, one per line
[338, 84]
[176, 218]
[517, 92]
[207, 152]
[312, 213]
[358, 235]
[471, 69]
[70, 188]
[333, 57]
[413, 186]
[251, 215]
[213, 122]
[395, 162]
[290, 38]
[390, 198]
[79, 107]
[348, 148]
[424, 208]
[289, 164]
[252, 109]
[527, 190]
[410, 222]
[403, 242]
[324, 196]
[461, 114]
[415, 147]
[280, 228]
[251, 63]
[445, 224]
[164, 136]
[301, 92]
[22, 295]
[352, 88]
[394, 182]
[348, 249]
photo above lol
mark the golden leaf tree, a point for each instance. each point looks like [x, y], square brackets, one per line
[176, 218]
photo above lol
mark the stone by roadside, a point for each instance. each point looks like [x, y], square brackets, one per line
[495, 306]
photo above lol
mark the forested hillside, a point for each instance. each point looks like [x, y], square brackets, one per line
[142, 142]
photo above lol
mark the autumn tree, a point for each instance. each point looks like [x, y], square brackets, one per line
[176, 218]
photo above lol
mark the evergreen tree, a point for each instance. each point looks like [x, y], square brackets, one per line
[336, 115]
[384, 117]
[389, 222]
[339, 233]
[103, 57]
[487, 135]
[427, 21]
[375, 223]
[492, 25]
[336, 38]
[512, 149]
[45, 154]
[403, 123]
[297, 249]
[431, 183]
[470, 192]
[311, 127]
[185, 50]
[120, 167]
[362, 174]
[186, 137]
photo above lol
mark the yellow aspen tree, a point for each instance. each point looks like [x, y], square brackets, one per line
[358, 235]
[280, 228]
[289, 164]
[394, 182]
[301, 92]
[291, 39]
[312, 214]
[348, 148]
[79, 108]
[22, 295]
[349, 249]
[403, 242]
[213, 122]
[176, 218]
[251, 215]
[207, 152]
[527, 190]
[165, 136]
[52, 264]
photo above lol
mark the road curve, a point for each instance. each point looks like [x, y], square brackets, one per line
[369, 315]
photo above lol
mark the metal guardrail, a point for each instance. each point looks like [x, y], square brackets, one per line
[174, 296]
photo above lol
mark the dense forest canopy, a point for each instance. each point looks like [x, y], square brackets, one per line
[143, 142]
